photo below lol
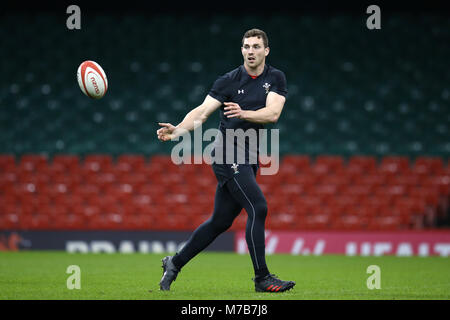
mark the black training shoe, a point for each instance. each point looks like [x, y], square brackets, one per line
[271, 283]
[170, 273]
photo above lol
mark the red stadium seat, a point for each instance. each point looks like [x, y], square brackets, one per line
[7, 162]
[334, 163]
[69, 200]
[104, 200]
[172, 178]
[97, 162]
[376, 200]
[67, 222]
[362, 164]
[52, 191]
[121, 192]
[322, 217]
[56, 211]
[70, 162]
[154, 191]
[134, 179]
[71, 180]
[141, 200]
[308, 201]
[440, 182]
[8, 198]
[428, 165]
[323, 190]
[301, 162]
[344, 201]
[303, 179]
[102, 180]
[32, 162]
[371, 179]
[407, 180]
[161, 159]
[291, 189]
[278, 222]
[361, 191]
[135, 161]
[272, 181]
[9, 177]
[350, 222]
[10, 221]
[319, 170]
[298, 212]
[239, 223]
[392, 190]
[339, 179]
[288, 169]
[86, 191]
[414, 205]
[112, 221]
[40, 222]
[75, 222]
[430, 195]
[394, 164]
[37, 178]
[385, 223]
[136, 222]
[25, 188]
[317, 222]
[87, 211]
[279, 198]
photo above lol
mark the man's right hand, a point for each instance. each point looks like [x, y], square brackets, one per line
[166, 132]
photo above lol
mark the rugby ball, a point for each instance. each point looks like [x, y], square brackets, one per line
[92, 79]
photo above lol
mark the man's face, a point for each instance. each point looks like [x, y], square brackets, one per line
[254, 52]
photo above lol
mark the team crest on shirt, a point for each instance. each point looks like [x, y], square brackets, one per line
[235, 168]
[267, 87]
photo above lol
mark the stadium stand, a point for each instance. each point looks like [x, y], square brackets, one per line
[364, 137]
[99, 192]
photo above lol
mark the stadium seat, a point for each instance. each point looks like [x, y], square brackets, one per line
[93, 163]
[367, 163]
[375, 180]
[7, 163]
[340, 179]
[356, 190]
[350, 222]
[301, 162]
[32, 162]
[241, 221]
[344, 201]
[391, 223]
[428, 165]
[394, 164]
[431, 196]
[334, 163]
[134, 161]
[440, 182]
[69, 162]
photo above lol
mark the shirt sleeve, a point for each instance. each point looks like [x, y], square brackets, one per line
[279, 84]
[220, 88]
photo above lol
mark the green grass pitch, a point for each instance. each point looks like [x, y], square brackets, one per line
[219, 276]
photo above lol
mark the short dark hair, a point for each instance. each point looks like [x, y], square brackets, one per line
[257, 33]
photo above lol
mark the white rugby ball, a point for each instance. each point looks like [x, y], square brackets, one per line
[92, 79]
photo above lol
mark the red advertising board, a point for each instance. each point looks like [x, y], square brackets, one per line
[405, 243]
